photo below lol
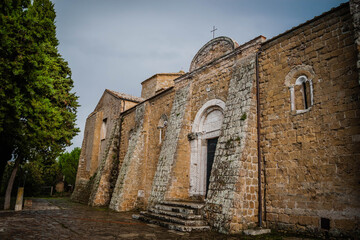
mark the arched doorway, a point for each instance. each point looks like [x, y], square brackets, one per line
[203, 140]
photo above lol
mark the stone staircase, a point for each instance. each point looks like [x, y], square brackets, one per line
[176, 215]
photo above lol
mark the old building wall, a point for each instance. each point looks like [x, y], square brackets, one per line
[88, 157]
[311, 155]
[169, 147]
[172, 178]
[95, 148]
[130, 178]
[127, 105]
[310, 133]
[231, 205]
[127, 125]
[148, 88]
[158, 122]
[210, 83]
[82, 185]
[103, 183]
[157, 83]
[143, 167]
[177, 186]
[165, 80]
[355, 12]
[212, 50]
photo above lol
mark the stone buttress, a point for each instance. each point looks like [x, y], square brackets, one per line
[122, 191]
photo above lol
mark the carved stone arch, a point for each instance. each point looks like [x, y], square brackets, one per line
[212, 50]
[300, 83]
[298, 71]
[206, 125]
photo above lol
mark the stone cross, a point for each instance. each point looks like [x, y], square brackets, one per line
[213, 31]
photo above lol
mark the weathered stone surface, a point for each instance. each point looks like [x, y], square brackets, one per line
[157, 83]
[101, 189]
[311, 161]
[99, 125]
[168, 149]
[180, 216]
[255, 232]
[212, 50]
[355, 12]
[309, 136]
[230, 166]
[133, 155]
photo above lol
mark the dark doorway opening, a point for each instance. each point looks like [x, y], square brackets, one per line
[211, 147]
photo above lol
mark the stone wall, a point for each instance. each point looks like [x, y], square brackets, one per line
[310, 133]
[97, 134]
[312, 157]
[102, 188]
[355, 12]
[169, 146]
[212, 50]
[142, 168]
[126, 187]
[207, 82]
[158, 111]
[158, 83]
[83, 184]
[232, 200]
[211, 82]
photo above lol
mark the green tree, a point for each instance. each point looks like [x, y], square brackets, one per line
[35, 175]
[69, 163]
[37, 108]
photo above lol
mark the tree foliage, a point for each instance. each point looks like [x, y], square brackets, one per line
[37, 107]
[34, 176]
[68, 163]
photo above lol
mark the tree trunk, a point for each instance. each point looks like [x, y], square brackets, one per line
[6, 151]
[11, 183]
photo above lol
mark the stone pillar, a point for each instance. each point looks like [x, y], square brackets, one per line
[19, 199]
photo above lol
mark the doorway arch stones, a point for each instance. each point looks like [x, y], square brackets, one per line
[206, 125]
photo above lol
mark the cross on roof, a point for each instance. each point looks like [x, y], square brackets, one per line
[213, 31]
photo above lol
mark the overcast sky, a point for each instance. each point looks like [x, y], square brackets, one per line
[117, 44]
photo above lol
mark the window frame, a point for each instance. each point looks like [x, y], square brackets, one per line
[301, 81]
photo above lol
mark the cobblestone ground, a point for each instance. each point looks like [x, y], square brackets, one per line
[59, 218]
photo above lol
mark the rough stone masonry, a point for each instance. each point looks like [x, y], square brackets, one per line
[139, 152]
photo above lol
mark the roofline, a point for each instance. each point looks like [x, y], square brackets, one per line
[158, 74]
[241, 48]
[332, 10]
[123, 98]
[156, 95]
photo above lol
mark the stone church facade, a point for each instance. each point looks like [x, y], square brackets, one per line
[264, 132]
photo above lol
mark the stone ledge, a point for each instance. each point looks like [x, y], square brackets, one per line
[254, 232]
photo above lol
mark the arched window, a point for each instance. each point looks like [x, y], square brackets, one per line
[103, 129]
[301, 94]
[163, 122]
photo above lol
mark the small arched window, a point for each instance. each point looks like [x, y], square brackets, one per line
[301, 94]
[103, 129]
[163, 122]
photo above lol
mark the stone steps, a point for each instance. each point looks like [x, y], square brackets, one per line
[176, 215]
